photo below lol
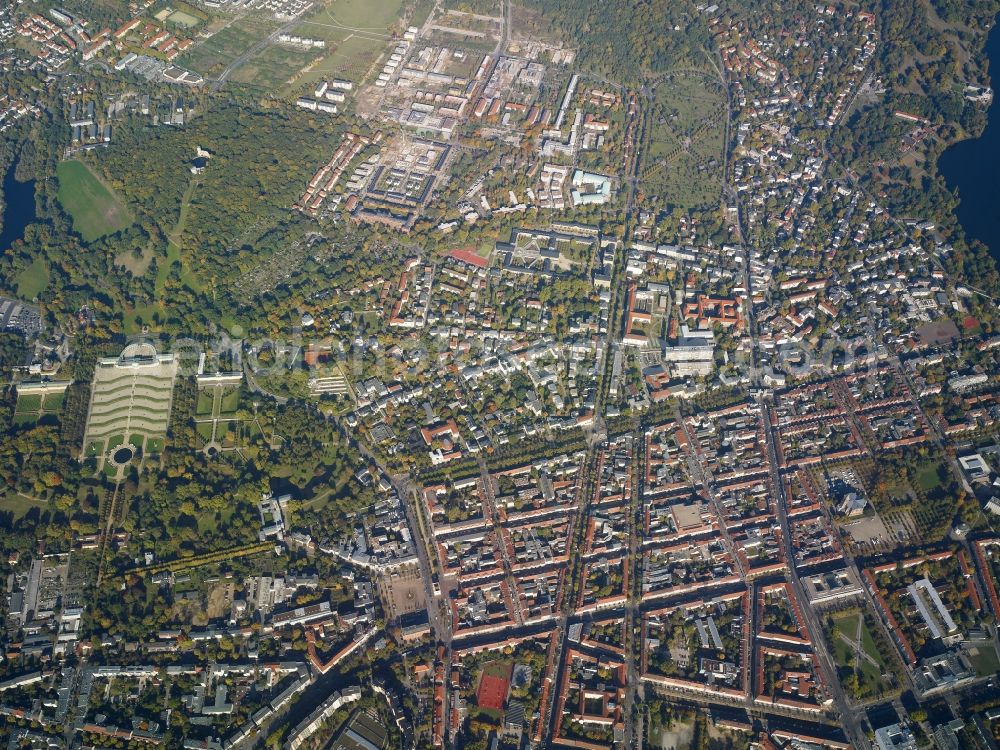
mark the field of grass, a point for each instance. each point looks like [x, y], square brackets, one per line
[54, 402]
[33, 279]
[230, 401]
[213, 55]
[367, 15]
[351, 59]
[19, 505]
[96, 211]
[848, 625]
[174, 253]
[355, 31]
[337, 19]
[228, 432]
[181, 18]
[206, 400]
[33, 406]
[136, 264]
[929, 477]
[204, 429]
[862, 675]
[28, 402]
[935, 508]
[273, 67]
[984, 660]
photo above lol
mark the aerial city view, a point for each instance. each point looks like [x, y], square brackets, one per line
[499, 374]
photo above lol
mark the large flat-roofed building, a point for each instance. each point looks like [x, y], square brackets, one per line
[693, 354]
[939, 621]
[364, 731]
[834, 585]
[895, 737]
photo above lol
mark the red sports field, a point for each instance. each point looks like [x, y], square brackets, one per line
[492, 692]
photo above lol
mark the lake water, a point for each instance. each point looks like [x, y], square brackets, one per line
[973, 167]
[19, 209]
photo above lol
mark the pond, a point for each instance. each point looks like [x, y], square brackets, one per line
[19, 208]
[973, 168]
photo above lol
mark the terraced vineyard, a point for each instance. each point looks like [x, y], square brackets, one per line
[129, 407]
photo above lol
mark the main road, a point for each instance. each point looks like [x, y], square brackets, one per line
[851, 726]
[849, 718]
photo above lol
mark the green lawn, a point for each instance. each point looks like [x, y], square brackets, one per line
[54, 401]
[205, 401]
[136, 264]
[208, 522]
[96, 211]
[370, 15]
[356, 31]
[28, 402]
[33, 279]
[847, 624]
[868, 644]
[274, 67]
[869, 675]
[929, 477]
[183, 19]
[984, 660]
[421, 12]
[174, 248]
[844, 655]
[254, 430]
[204, 430]
[935, 510]
[18, 504]
[230, 401]
[228, 432]
[337, 20]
